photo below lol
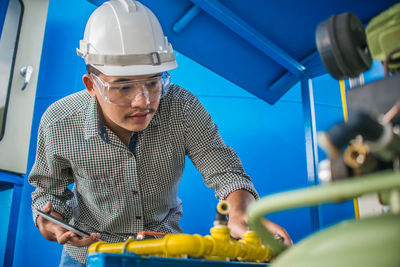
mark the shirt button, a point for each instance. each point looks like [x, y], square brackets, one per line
[138, 217]
[130, 155]
[135, 191]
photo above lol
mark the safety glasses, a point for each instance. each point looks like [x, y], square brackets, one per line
[124, 92]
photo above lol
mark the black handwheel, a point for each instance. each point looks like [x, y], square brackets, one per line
[342, 46]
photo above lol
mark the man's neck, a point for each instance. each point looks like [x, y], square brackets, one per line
[123, 134]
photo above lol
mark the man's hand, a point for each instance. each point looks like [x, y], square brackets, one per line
[238, 225]
[238, 221]
[54, 232]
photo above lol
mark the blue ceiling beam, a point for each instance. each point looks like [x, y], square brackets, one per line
[186, 18]
[243, 29]
[281, 85]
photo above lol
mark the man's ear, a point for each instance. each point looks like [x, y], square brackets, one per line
[88, 82]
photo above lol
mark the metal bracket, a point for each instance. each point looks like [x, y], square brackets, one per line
[155, 58]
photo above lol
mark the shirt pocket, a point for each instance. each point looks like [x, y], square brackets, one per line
[98, 196]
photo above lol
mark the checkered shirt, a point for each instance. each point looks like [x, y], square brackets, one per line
[122, 190]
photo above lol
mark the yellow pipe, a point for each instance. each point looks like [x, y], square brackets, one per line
[217, 246]
[259, 252]
[346, 118]
[344, 101]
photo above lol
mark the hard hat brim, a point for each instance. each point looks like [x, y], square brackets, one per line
[136, 70]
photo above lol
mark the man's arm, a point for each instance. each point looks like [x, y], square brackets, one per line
[218, 163]
[239, 201]
[221, 168]
[51, 179]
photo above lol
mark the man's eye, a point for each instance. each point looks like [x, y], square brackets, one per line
[151, 84]
[120, 88]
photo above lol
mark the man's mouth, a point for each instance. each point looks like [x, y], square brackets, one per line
[139, 114]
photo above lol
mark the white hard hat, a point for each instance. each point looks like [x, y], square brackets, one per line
[124, 38]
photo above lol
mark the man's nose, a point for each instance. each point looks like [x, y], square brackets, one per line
[141, 99]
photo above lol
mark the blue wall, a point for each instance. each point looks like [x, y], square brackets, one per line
[6, 194]
[269, 139]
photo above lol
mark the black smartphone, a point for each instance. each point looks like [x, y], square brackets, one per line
[63, 224]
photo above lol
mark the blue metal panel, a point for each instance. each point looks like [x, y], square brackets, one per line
[110, 260]
[6, 190]
[14, 181]
[243, 29]
[12, 227]
[11, 178]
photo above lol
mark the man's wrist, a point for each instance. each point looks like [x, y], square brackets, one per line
[240, 200]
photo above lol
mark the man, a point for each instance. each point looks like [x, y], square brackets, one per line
[123, 141]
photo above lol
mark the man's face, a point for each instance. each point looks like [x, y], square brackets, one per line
[136, 113]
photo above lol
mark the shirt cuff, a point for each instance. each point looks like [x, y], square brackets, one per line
[225, 191]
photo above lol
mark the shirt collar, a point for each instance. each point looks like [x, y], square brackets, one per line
[91, 123]
[157, 117]
[156, 120]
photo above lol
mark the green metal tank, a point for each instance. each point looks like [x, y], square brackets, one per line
[371, 241]
[368, 242]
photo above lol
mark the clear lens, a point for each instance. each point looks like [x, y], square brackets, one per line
[123, 93]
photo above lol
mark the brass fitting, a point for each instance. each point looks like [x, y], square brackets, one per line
[223, 207]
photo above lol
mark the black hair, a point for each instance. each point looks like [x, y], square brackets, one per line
[91, 69]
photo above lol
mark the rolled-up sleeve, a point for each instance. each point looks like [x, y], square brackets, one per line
[220, 166]
[50, 177]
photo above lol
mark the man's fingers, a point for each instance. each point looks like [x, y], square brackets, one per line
[52, 231]
[83, 242]
[278, 230]
[63, 238]
[47, 208]
[237, 234]
[237, 228]
[75, 240]
[286, 238]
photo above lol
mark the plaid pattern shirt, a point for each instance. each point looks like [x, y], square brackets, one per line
[120, 190]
